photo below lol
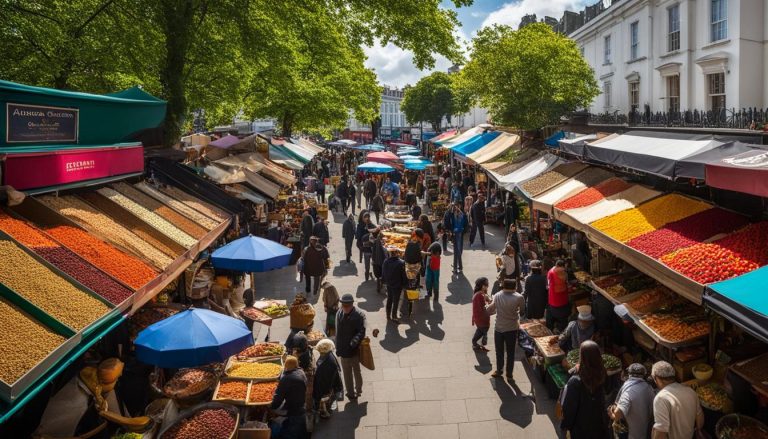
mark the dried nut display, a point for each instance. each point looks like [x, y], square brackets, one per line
[187, 225]
[262, 350]
[673, 329]
[545, 181]
[205, 424]
[262, 392]
[24, 342]
[126, 268]
[254, 370]
[150, 218]
[235, 390]
[82, 213]
[45, 289]
[178, 206]
[24, 233]
[199, 205]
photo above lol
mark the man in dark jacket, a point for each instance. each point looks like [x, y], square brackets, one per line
[341, 193]
[291, 394]
[369, 191]
[377, 206]
[393, 273]
[447, 226]
[350, 331]
[348, 233]
[377, 257]
[458, 227]
[511, 212]
[307, 225]
[477, 216]
[351, 192]
[320, 189]
[315, 256]
[320, 229]
[363, 240]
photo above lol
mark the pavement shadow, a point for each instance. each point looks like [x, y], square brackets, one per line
[345, 269]
[374, 301]
[516, 406]
[460, 290]
[484, 364]
[394, 342]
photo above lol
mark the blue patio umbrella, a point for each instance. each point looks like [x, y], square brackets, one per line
[251, 254]
[370, 147]
[194, 337]
[376, 168]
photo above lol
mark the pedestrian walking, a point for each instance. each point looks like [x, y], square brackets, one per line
[432, 270]
[480, 317]
[677, 413]
[290, 395]
[330, 298]
[359, 192]
[316, 258]
[393, 273]
[413, 252]
[320, 190]
[535, 292]
[632, 414]
[506, 304]
[456, 196]
[350, 331]
[307, 225]
[364, 243]
[369, 191]
[327, 382]
[558, 307]
[320, 229]
[510, 265]
[458, 224]
[341, 194]
[348, 233]
[363, 224]
[477, 219]
[377, 206]
[583, 400]
[352, 195]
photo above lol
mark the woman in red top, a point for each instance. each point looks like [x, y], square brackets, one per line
[558, 308]
[480, 317]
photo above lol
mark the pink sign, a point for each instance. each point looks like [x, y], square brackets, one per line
[36, 170]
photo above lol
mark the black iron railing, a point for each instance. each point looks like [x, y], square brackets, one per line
[746, 118]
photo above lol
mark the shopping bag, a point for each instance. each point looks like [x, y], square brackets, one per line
[366, 355]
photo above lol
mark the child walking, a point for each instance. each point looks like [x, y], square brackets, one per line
[433, 269]
[480, 317]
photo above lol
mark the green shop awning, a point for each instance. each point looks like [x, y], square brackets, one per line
[743, 301]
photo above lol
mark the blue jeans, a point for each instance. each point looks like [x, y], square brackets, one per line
[458, 248]
[505, 344]
[432, 280]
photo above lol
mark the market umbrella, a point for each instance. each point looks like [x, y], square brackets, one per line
[194, 337]
[370, 147]
[382, 157]
[375, 167]
[251, 254]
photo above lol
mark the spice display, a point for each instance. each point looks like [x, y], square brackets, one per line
[188, 226]
[44, 288]
[199, 205]
[178, 206]
[708, 263]
[616, 291]
[714, 397]
[135, 225]
[751, 431]
[235, 390]
[149, 217]
[549, 179]
[24, 233]
[82, 213]
[205, 424]
[650, 216]
[188, 382]
[675, 329]
[254, 370]
[24, 342]
[128, 269]
[594, 194]
[687, 232]
[582, 276]
[653, 299]
[276, 310]
[262, 350]
[85, 273]
[262, 392]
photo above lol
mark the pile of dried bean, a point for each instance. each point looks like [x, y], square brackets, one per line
[178, 206]
[128, 269]
[44, 288]
[190, 227]
[199, 205]
[235, 390]
[262, 392]
[82, 213]
[205, 424]
[24, 233]
[24, 342]
[254, 370]
[149, 217]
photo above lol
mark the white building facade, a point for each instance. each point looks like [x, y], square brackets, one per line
[678, 55]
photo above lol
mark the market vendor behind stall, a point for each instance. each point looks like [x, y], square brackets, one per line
[578, 331]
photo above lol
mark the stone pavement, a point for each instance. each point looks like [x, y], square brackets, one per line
[428, 382]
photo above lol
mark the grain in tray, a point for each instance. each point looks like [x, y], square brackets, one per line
[254, 370]
[178, 206]
[262, 392]
[199, 205]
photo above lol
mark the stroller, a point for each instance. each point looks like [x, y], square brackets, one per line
[413, 290]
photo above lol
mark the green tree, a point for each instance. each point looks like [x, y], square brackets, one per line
[431, 99]
[527, 78]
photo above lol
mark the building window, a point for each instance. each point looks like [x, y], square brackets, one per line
[716, 91]
[634, 96]
[581, 49]
[673, 93]
[719, 21]
[634, 39]
[607, 94]
[673, 36]
[607, 50]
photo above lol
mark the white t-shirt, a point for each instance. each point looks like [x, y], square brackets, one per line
[675, 408]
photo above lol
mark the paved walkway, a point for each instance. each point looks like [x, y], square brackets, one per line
[428, 381]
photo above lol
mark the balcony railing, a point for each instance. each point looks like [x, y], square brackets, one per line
[745, 119]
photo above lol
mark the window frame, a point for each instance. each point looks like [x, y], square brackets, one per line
[634, 40]
[673, 35]
[607, 55]
[607, 94]
[721, 24]
[711, 95]
[634, 95]
[673, 98]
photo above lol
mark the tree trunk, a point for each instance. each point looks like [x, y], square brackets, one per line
[286, 125]
[176, 19]
[436, 125]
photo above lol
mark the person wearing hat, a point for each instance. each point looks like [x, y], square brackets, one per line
[632, 414]
[315, 256]
[677, 413]
[290, 395]
[327, 381]
[535, 291]
[393, 274]
[350, 331]
[578, 331]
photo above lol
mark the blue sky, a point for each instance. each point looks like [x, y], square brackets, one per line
[394, 66]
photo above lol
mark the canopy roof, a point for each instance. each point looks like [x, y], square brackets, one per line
[494, 148]
[383, 157]
[742, 300]
[526, 172]
[627, 199]
[306, 144]
[584, 179]
[225, 142]
[282, 157]
[649, 152]
[575, 146]
[746, 172]
[476, 143]
[451, 142]
[444, 136]
[370, 147]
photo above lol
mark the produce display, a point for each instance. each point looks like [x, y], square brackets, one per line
[262, 350]
[687, 232]
[276, 310]
[252, 370]
[649, 216]
[638, 283]
[536, 330]
[234, 390]
[736, 426]
[746, 432]
[675, 329]
[714, 397]
[188, 226]
[201, 206]
[64, 259]
[147, 316]
[187, 382]
[394, 240]
[24, 342]
[126, 268]
[653, 299]
[262, 392]
[549, 350]
[594, 194]
[205, 424]
[82, 213]
[149, 217]
[609, 281]
[45, 289]
[178, 206]
[616, 291]
[315, 336]
[610, 362]
[749, 243]
[708, 263]
[255, 314]
[545, 181]
[755, 371]
[582, 276]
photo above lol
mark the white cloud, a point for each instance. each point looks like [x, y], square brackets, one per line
[478, 14]
[511, 13]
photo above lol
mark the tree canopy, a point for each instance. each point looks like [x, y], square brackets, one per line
[432, 98]
[527, 78]
[299, 62]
